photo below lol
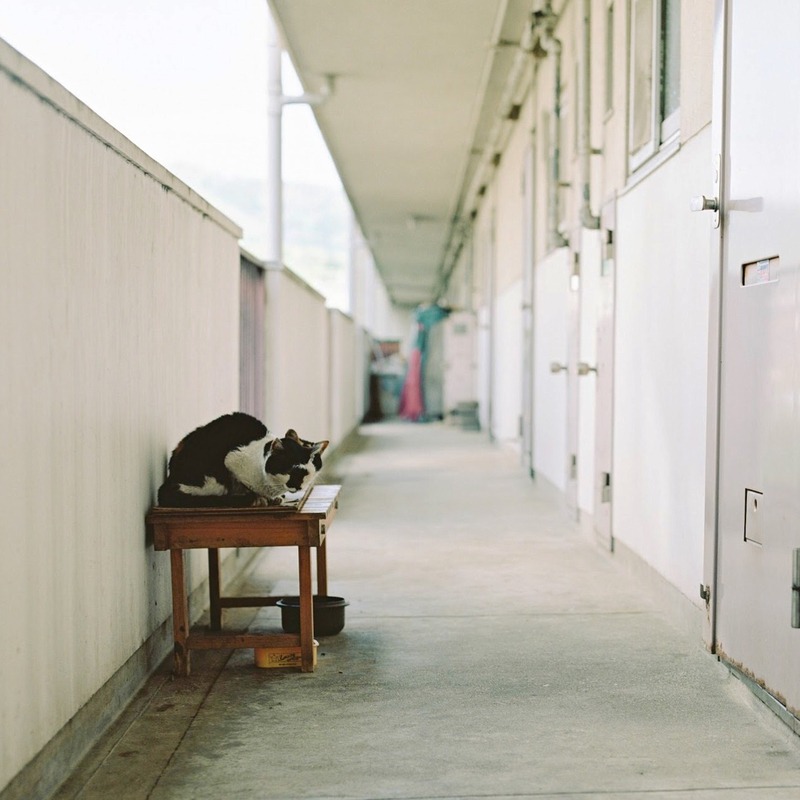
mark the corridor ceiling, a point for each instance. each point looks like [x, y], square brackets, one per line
[417, 87]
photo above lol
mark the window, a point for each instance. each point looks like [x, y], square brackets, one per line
[655, 77]
[576, 106]
[609, 78]
[670, 67]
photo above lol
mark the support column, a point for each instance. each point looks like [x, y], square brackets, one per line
[274, 199]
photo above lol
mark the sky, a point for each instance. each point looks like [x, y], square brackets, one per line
[184, 80]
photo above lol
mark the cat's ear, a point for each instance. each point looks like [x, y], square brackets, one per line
[319, 447]
[275, 444]
[292, 434]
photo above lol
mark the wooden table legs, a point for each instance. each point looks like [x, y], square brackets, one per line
[180, 609]
[306, 610]
[213, 589]
[180, 613]
[322, 569]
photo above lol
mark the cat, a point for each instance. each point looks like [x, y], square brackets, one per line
[234, 461]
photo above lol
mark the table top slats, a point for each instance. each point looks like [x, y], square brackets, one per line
[318, 505]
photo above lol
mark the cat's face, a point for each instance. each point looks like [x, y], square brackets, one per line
[295, 460]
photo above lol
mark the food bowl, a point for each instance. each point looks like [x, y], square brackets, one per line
[328, 614]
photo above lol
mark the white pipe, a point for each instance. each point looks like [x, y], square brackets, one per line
[274, 199]
[310, 99]
[553, 48]
[496, 141]
[587, 219]
[276, 100]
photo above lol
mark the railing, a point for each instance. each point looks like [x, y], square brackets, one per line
[314, 362]
[126, 322]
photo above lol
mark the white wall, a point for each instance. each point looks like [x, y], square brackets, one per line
[587, 385]
[508, 263]
[551, 279]
[482, 351]
[507, 361]
[297, 382]
[371, 306]
[315, 362]
[344, 354]
[119, 324]
[663, 253]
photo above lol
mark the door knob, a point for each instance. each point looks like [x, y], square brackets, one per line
[703, 203]
[585, 369]
[556, 367]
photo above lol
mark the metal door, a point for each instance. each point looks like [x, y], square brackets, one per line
[604, 406]
[459, 360]
[758, 522]
[573, 357]
[486, 333]
[527, 310]
[252, 338]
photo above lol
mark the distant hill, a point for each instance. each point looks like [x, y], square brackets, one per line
[316, 222]
[316, 235]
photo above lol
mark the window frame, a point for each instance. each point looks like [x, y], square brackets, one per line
[608, 72]
[663, 132]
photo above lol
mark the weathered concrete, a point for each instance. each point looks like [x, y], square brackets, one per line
[489, 651]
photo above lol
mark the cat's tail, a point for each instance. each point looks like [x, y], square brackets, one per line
[169, 496]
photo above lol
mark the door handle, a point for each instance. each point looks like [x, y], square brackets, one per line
[703, 203]
[555, 367]
[585, 369]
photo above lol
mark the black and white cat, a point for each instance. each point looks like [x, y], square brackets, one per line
[235, 461]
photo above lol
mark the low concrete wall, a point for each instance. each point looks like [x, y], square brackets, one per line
[297, 387]
[119, 322]
[344, 354]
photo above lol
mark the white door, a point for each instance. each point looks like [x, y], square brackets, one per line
[604, 407]
[527, 310]
[573, 387]
[486, 336]
[759, 418]
[459, 360]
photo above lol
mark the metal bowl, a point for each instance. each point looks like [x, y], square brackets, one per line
[328, 614]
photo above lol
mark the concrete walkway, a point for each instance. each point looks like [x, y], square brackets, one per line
[490, 651]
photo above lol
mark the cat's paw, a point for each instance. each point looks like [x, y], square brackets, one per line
[261, 502]
[276, 501]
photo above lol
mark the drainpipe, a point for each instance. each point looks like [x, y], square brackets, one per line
[496, 141]
[552, 46]
[274, 200]
[587, 219]
[276, 100]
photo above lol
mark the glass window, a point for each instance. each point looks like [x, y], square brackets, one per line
[670, 60]
[576, 105]
[655, 76]
[609, 99]
[642, 64]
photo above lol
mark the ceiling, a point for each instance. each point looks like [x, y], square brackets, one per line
[417, 84]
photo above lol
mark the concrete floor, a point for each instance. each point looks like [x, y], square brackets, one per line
[490, 651]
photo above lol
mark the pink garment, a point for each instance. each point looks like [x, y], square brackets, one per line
[411, 407]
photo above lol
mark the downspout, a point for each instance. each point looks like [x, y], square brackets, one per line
[274, 198]
[552, 46]
[585, 152]
[276, 100]
[273, 255]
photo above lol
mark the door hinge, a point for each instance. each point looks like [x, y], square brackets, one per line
[796, 588]
[575, 277]
[705, 593]
[605, 491]
[573, 467]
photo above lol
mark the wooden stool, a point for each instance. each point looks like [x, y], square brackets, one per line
[179, 529]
